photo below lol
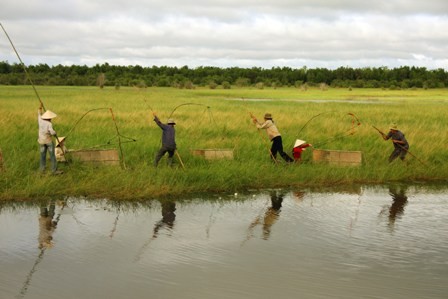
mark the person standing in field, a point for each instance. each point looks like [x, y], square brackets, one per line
[400, 143]
[45, 140]
[274, 136]
[168, 140]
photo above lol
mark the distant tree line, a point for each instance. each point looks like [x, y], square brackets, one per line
[214, 77]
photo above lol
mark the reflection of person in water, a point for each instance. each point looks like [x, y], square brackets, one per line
[168, 217]
[400, 200]
[167, 221]
[46, 226]
[270, 216]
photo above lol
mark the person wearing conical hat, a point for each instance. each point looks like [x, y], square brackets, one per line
[60, 149]
[299, 147]
[45, 140]
[274, 136]
[401, 145]
[168, 140]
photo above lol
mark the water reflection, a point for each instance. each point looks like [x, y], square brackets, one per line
[302, 233]
[47, 226]
[168, 217]
[167, 222]
[114, 228]
[399, 201]
[268, 216]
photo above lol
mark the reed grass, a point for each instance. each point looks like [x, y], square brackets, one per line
[420, 114]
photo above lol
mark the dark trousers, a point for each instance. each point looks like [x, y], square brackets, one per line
[277, 147]
[163, 150]
[398, 152]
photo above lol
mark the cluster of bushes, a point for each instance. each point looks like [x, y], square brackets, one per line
[214, 77]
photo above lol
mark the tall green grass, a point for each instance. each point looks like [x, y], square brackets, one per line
[420, 114]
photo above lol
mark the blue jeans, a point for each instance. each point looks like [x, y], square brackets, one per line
[43, 156]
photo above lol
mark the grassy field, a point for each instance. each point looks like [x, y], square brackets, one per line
[319, 117]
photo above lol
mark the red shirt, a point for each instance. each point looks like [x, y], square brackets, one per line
[297, 151]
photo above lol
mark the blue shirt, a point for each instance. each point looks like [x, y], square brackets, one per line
[398, 135]
[168, 135]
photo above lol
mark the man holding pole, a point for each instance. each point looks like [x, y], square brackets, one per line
[45, 141]
[274, 136]
[401, 145]
[168, 140]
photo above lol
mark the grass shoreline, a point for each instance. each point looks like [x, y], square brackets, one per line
[226, 124]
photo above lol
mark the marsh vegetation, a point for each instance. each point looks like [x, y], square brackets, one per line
[218, 118]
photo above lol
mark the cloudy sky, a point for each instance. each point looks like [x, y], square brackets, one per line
[227, 33]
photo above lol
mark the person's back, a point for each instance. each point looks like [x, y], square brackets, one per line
[168, 140]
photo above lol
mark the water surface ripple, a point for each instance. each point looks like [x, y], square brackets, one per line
[366, 242]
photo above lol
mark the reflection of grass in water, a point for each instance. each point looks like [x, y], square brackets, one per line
[225, 125]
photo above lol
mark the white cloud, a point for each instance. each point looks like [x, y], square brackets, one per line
[262, 33]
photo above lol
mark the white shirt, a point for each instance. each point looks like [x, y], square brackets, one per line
[270, 127]
[45, 130]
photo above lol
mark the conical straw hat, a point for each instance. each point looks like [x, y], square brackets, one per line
[299, 142]
[48, 115]
[59, 140]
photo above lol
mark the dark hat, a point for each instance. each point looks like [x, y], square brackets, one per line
[268, 116]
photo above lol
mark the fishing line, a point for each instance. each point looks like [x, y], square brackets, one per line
[118, 135]
[346, 133]
[185, 104]
[79, 120]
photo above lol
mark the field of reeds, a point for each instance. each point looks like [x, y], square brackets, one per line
[218, 119]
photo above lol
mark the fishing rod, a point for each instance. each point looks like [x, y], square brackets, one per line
[123, 164]
[150, 108]
[79, 120]
[211, 117]
[23, 66]
[261, 136]
[180, 160]
[109, 141]
[28, 77]
[349, 132]
[186, 104]
[402, 147]
[306, 124]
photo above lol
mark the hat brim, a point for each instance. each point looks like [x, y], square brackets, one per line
[48, 115]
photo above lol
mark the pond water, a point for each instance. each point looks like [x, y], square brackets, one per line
[367, 242]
